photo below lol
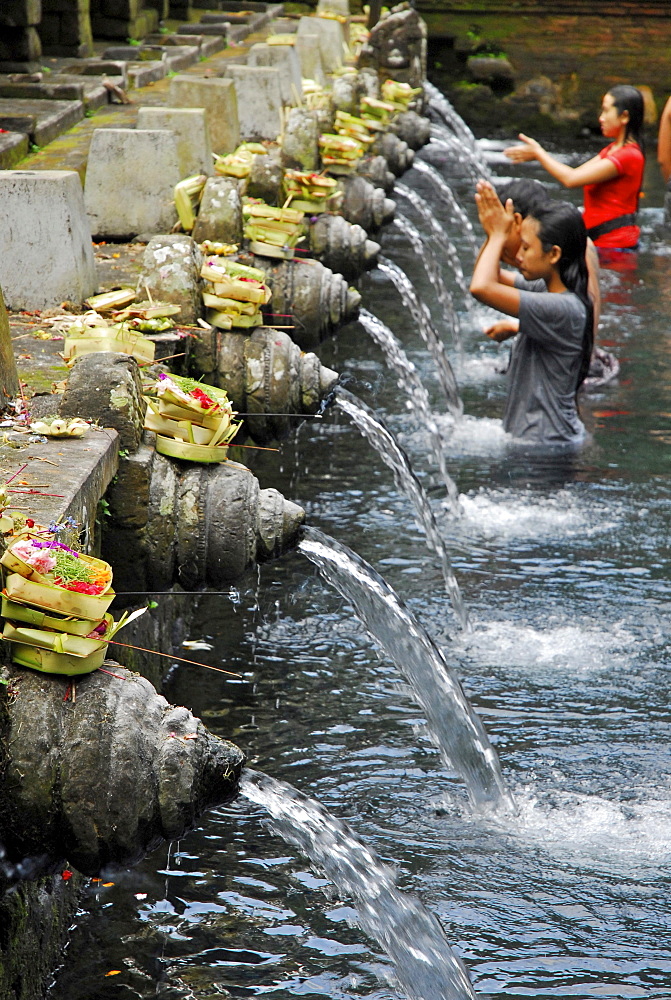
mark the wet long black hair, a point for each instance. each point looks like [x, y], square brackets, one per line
[626, 98]
[561, 224]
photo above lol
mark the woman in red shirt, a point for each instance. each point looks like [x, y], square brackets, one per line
[612, 179]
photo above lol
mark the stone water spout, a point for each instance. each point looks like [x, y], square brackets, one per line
[104, 778]
[376, 170]
[264, 372]
[311, 298]
[198, 525]
[342, 246]
[364, 204]
[412, 128]
[397, 153]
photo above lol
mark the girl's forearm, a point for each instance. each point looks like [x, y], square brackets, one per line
[560, 171]
[486, 271]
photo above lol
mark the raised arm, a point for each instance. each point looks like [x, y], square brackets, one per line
[594, 171]
[489, 284]
[664, 142]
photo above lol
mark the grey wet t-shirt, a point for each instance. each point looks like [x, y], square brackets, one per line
[544, 367]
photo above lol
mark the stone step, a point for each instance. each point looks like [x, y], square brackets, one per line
[59, 87]
[41, 120]
[13, 147]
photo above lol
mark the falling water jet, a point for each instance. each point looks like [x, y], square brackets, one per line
[445, 110]
[391, 453]
[429, 260]
[456, 729]
[412, 936]
[443, 139]
[409, 380]
[427, 332]
[447, 196]
[438, 234]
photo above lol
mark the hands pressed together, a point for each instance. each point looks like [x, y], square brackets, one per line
[495, 218]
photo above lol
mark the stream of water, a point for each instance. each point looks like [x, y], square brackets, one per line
[564, 564]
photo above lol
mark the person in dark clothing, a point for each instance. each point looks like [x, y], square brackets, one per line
[526, 194]
[553, 348]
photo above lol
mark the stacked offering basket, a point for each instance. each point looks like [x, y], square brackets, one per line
[234, 295]
[272, 232]
[54, 605]
[191, 421]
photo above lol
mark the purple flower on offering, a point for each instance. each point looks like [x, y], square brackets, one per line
[55, 545]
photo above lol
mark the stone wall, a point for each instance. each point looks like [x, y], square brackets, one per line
[580, 54]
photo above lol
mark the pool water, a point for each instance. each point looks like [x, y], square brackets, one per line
[564, 565]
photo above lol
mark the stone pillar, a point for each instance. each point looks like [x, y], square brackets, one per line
[46, 255]
[194, 149]
[20, 46]
[259, 99]
[130, 180]
[123, 19]
[65, 28]
[218, 98]
[171, 269]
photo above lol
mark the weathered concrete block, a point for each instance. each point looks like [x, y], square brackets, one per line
[13, 147]
[331, 40]
[283, 58]
[309, 56]
[219, 99]
[171, 273]
[130, 179]
[340, 7]
[259, 114]
[194, 150]
[106, 388]
[46, 254]
[220, 214]
[300, 141]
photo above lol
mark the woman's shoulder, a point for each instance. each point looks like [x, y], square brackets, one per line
[630, 153]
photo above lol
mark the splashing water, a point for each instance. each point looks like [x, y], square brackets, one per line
[407, 482]
[427, 332]
[409, 380]
[412, 936]
[456, 729]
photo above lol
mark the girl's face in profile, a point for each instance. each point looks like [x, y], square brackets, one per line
[610, 119]
[532, 260]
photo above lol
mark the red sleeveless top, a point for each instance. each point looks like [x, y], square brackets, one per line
[618, 196]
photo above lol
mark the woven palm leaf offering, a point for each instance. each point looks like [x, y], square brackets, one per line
[191, 421]
[356, 128]
[234, 294]
[271, 231]
[376, 113]
[239, 163]
[310, 192]
[55, 603]
[340, 153]
[400, 95]
[91, 333]
[187, 195]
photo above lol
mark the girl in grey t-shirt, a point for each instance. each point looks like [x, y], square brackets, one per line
[551, 355]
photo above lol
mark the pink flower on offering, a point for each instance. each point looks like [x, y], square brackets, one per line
[39, 559]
